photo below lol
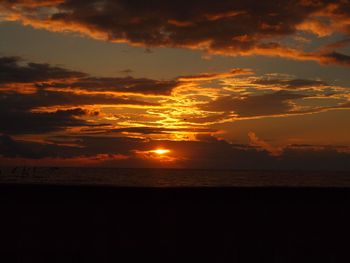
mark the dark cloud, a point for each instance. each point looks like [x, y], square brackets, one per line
[210, 153]
[11, 148]
[335, 58]
[226, 27]
[125, 84]
[78, 146]
[14, 70]
[26, 122]
[43, 98]
[180, 23]
[254, 105]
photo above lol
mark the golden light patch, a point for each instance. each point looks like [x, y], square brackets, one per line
[159, 154]
[160, 151]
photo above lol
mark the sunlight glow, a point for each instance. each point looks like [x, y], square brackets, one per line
[161, 151]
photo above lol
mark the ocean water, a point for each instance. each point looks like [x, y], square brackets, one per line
[171, 177]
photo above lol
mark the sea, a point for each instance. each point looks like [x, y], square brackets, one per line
[171, 178]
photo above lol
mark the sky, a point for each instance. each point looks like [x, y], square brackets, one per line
[175, 84]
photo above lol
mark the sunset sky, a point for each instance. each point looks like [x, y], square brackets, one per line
[229, 84]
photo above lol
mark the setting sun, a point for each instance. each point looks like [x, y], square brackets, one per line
[161, 151]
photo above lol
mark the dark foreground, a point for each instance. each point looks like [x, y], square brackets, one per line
[105, 224]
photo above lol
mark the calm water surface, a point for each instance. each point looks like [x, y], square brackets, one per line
[171, 177]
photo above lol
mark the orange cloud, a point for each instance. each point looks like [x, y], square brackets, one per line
[317, 27]
[212, 76]
[66, 102]
[255, 141]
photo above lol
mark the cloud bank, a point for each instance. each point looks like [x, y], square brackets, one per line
[227, 27]
[52, 115]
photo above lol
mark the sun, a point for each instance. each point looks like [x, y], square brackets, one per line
[160, 151]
